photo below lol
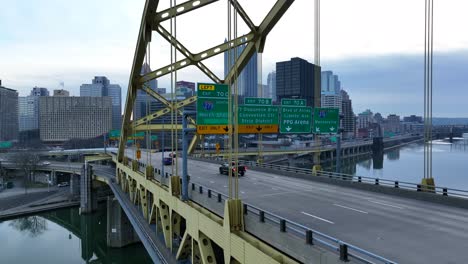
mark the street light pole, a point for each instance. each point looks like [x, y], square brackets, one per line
[338, 147]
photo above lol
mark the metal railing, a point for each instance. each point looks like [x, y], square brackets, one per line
[444, 191]
[346, 251]
[436, 190]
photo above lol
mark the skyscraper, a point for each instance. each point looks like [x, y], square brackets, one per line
[271, 82]
[330, 83]
[296, 79]
[100, 87]
[248, 78]
[39, 91]
[28, 109]
[9, 114]
[348, 123]
[325, 82]
[144, 100]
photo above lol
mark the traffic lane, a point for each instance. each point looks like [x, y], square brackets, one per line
[252, 189]
[371, 224]
[379, 230]
[386, 236]
[416, 208]
[201, 170]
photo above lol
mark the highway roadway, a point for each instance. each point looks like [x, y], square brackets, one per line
[403, 230]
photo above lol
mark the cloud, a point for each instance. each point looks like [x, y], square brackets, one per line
[394, 84]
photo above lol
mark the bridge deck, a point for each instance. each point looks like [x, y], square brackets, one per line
[396, 228]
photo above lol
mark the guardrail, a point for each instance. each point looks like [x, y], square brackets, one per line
[346, 251]
[445, 191]
[436, 190]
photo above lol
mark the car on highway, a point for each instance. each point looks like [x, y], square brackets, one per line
[225, 167]
[63, 184]
[172, 155]
[44, 163]
[167, 161]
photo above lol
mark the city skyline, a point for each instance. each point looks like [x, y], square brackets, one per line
[75, 49]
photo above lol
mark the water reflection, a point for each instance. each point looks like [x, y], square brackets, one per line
[73, 238]
[406, 163]
[32, 225]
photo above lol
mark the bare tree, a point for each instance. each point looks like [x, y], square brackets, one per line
[28, 162]
[33, 225]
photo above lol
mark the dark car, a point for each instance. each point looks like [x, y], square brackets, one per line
[224, 169]
[167, 161]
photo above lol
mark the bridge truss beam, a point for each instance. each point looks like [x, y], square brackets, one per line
[202, 229]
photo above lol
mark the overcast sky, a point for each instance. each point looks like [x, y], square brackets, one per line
[375, 46]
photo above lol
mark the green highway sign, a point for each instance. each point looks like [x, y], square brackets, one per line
[212, 108]
[326, 120]
[5, 144]
[154, 137]
[212, 111]
[295, 119]
[258, 115]
[293, 102]
[138, 135]
[257, 101]
[113, 134]
[210, 90]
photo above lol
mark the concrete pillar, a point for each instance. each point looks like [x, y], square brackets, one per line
[120, 232]
[88, 199]
[53, 177]
[75, 185]
[88, 242]
[291, 159]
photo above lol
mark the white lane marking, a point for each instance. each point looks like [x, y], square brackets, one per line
[225, 186]
[212, 182]
[386, 204]
[319, 218]
[346, 207]
[242, 192]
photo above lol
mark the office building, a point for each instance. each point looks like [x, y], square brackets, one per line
[143, 100]
[28, 109]
[100, 87]
[28, 112]
[330, 83]
[39, 91]
[271, 83]
[348, 123]
[413, 119]
[331, 100]
[9, 114]
[364, 119]
[378, 118]
[184, 88]
[296, 79]
[62, 118]
[248, 78]
[61, 92]
[393, 124]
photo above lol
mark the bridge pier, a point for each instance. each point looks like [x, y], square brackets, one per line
[120, 232]
[88, 199]
[75, 185]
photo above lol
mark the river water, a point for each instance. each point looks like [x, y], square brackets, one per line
[63, 236]
[450, 164]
